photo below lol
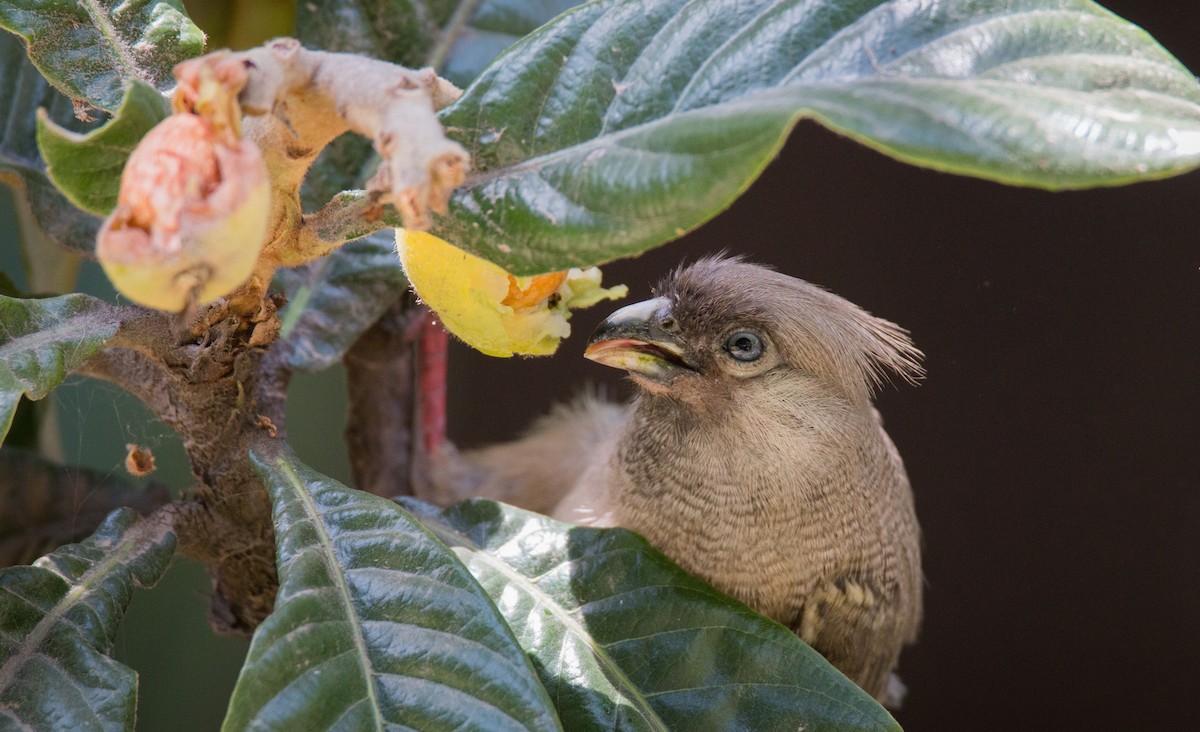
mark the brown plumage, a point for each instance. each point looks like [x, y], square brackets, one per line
[752, 456]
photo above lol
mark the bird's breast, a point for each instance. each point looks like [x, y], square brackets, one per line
[764, 519]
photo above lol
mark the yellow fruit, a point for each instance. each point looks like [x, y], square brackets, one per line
[491, 310]
[191, 216]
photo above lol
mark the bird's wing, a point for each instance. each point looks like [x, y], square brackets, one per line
[537, 470]
[853, 622]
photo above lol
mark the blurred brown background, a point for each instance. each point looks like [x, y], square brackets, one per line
[1053, 446]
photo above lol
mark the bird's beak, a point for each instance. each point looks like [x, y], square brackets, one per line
[633, 339]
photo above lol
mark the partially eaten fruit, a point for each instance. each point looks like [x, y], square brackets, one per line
[192, 212]
[491, 310]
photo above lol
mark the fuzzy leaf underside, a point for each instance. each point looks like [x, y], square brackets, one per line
[376, 626]
[333, 300]
[58, 622]
[87, 167]
[621, 125]
[25, 91]
[625, 639]
[42, 341]
[92, 50]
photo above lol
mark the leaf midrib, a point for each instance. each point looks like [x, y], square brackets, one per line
[536, 160]
[339, 583]
[109, 33]
[611, 669]
[75, 594]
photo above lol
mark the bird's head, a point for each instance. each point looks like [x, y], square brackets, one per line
[720, 322]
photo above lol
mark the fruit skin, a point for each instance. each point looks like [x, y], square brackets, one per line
[191, 216]
[491, 310]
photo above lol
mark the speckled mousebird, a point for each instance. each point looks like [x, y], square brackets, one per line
[751, 455]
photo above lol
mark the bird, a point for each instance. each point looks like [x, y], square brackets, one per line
[751, 455]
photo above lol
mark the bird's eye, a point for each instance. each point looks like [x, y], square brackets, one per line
[744, 346]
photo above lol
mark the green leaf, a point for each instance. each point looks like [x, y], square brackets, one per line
[44, 505]
[493, 27]
[460, 36]
[334, 299]
[42, 341]
[622, 124]
[25, 91]
[400, 31]
[58, 621]
[87, 168]
[92, 50]
[376, 624]
[625, 639]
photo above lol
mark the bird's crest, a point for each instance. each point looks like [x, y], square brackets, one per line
[815, 329]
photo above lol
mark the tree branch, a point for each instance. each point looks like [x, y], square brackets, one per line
[223, 394]
[348, 215]
[381, 374]
[298, 100]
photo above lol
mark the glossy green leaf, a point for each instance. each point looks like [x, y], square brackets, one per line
[377, 625]
[44, 505]
[625, 639]
[492, 27]
[42, 341]
[58, 621]
[87, 167]
[92, 50]
[334, 299]
[24, 91]
[623, 124]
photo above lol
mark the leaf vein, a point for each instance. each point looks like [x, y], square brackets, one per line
[339, 584]
[121, 53]
[611, 670]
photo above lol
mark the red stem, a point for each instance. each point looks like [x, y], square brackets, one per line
[431, 383]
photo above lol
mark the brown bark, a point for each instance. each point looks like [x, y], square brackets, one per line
[214, 377]
[381, 373]
[223, 395]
